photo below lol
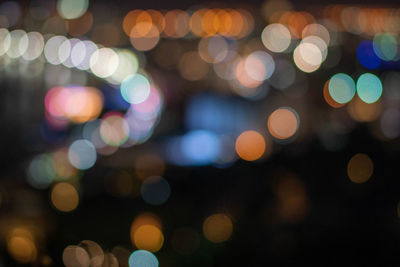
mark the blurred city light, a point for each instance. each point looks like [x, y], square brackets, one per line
[198, 134]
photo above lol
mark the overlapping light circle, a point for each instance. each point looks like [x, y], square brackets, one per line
[385, 46]
[276, 37]
[75, 103]
[259, 66]
[307, 57]
[18, 43]
[127, 66]
[72, 9]
[52, 47]
[82, 154]
[104, 62]
[5, 41]
[81, 53]
[135, 89]
[114, 129]
[35, 46]
[341, 88]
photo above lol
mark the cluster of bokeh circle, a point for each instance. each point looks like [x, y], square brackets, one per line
[248, 74]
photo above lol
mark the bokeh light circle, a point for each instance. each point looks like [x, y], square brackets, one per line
[250, 145]
[307, 57]
[35, 46]
[114, 129]
[64, 197]
[366, 55]
[51, 49]
[200, 146]
[95, 252]
[19, 43]
[5, 41]
[283, 123]
[369, 88]
[75, 256]
[82, 154]
[385, 46]
[104, 62]
[128, 65]
[276, 37]
[148, 237]
[142, 258]
[72, 9]
[259, 66]
[135, 89]
[341, 88]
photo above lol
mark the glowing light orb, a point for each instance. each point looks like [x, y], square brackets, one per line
[328, 97]
[341, 88]
[82, 154]
[104, 62]
[283, 123]
[35, 46]
[75, 256]
[259, 65]
[135, 89]
[385, 46]
[307, 57]
[144, 36]
[51, 49]
[369, 88]
[148, 237]
[64, 197]
[96, 253]
[216, 48]
[151, 105]
[141, 258]
[72, 9]
[317, 41]
[250, 145]
[276, 37]
[21, 246]
[78, 104]
[81, 54]
[317, 30]
[128, 65]
[200, 147]
[19, 43]
[114, 129]
[366, 55]
[244, 78]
